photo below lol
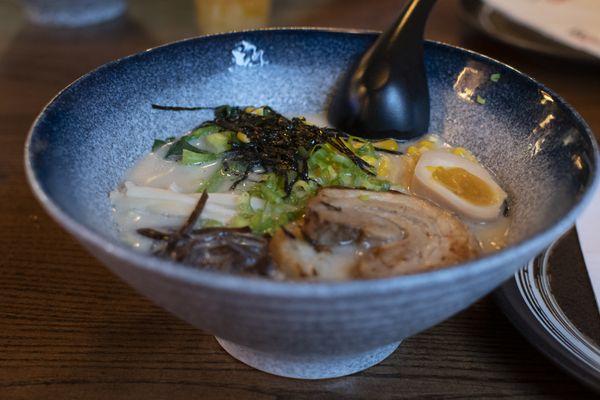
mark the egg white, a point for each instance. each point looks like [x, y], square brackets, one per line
[423, 184]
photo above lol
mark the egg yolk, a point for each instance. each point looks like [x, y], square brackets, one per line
[464, 184]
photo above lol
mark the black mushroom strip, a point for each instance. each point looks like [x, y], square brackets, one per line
[348, 233]
[235, 250]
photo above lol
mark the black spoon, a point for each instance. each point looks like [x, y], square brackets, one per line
[386, 93]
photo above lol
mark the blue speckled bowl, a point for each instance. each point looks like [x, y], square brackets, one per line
[542, 152]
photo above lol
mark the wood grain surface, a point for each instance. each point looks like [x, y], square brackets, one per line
[71, 330]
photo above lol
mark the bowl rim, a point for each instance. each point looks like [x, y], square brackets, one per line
[251, 285]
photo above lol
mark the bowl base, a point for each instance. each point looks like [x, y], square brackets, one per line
[309, 366]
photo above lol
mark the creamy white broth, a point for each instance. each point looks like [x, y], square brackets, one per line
[154, 171]
[179, 184]
[492, 236]
[160, 194]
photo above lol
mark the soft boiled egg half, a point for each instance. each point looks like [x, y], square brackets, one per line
[458, 184]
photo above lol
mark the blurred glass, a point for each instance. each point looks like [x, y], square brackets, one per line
[215, 16]
[72, 13]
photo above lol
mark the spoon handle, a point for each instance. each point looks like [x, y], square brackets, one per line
[411, 23]
[402, 43]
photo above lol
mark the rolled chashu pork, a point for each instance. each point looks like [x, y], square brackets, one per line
[349, 234]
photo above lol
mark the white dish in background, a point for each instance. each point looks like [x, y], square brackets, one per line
[534, 304]
[497, 25]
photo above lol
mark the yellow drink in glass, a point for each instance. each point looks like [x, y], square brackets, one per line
[215, 16]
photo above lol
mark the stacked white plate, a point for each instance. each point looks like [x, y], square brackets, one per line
[554, 300]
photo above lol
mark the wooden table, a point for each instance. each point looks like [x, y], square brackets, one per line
[70, 329]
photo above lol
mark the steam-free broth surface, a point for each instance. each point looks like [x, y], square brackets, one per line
[258, 198]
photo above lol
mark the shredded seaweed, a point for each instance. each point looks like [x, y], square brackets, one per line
[267, 141]
[276, 144]
[178, 108]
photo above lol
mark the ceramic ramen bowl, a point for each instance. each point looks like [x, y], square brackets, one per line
[83, 142]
